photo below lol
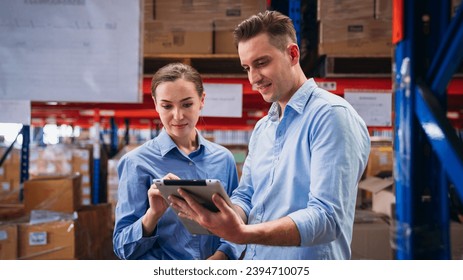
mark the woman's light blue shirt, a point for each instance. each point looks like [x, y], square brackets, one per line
[306, 166]
[171, 240]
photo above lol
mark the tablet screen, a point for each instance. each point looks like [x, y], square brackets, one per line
[200, 190]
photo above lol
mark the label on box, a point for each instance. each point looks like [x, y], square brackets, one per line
[3, 235]
[84, 167]
[6, 186]
[86, 191]
[86, 201]
[38, 238]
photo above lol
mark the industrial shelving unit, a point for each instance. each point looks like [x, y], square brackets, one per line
[428, 153]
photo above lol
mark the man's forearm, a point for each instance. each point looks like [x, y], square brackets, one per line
[281, 232]
[241, 213]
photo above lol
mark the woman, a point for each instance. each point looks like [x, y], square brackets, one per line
[145, 227]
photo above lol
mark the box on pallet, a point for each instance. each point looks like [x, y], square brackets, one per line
[328, 10]
[175, 37]
[370, 237]
[355, 38]
[186, 27]
[8, 242]
[87, 237]
[61, 193]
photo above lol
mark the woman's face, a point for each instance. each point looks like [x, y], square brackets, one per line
[179, 107]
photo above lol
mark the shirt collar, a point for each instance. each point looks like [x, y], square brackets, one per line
[166, 143]
[297, 101]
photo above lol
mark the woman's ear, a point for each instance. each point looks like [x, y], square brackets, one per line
[203, 96]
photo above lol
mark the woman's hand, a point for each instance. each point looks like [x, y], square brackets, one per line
[158, 206]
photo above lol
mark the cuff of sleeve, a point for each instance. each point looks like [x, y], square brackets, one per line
[233, 251]
[243, 206]
[300, 218]
[139, 231]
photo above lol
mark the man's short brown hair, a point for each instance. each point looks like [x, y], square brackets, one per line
[279, 28]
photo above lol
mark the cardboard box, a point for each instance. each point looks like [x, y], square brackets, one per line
[380, 161]
[2, 173]
[455, 6]
[181, 10]
[95, 228]
[174, 38]
[87, 237]
[179, 26]
[328, 10]
[8, 242]
[383, 10]
[371, 238]
[456, 240]
[194, 10]
[47, 241]
[61, 194]
[383, 196]
[223, 36]
[355, 38]
[11, 211]
[242, 9]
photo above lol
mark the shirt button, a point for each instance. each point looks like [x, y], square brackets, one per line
[190, 163]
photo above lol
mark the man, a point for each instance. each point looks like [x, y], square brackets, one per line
[297, 195]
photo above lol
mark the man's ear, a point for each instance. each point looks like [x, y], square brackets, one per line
[294, 53]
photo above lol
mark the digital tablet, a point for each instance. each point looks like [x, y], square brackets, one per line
[200, 190]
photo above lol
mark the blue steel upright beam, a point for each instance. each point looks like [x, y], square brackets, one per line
[24, 168]
[404, 131]
[449, 55]
[424, 139]
[442, 136]
[294, 12]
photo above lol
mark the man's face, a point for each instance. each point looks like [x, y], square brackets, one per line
[269, 69]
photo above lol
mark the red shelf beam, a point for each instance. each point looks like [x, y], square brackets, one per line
[144, 115]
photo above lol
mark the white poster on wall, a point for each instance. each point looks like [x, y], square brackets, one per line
[79, 50]
[15, 111]
[223, 100]
[374, 107]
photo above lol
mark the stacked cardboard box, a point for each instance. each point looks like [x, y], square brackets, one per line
[355, 28]
[60, 193]
[113, 178]
[194, 27]
[9, 171]
[50, 160]
[113, 184]
[8, 242]
[376, 189]
[86, 236]
[82, 163]
[370, 237]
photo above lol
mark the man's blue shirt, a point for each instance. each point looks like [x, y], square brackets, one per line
[306, 165]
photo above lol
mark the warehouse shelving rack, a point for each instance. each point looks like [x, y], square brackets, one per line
[428, 153]
[422, 203]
